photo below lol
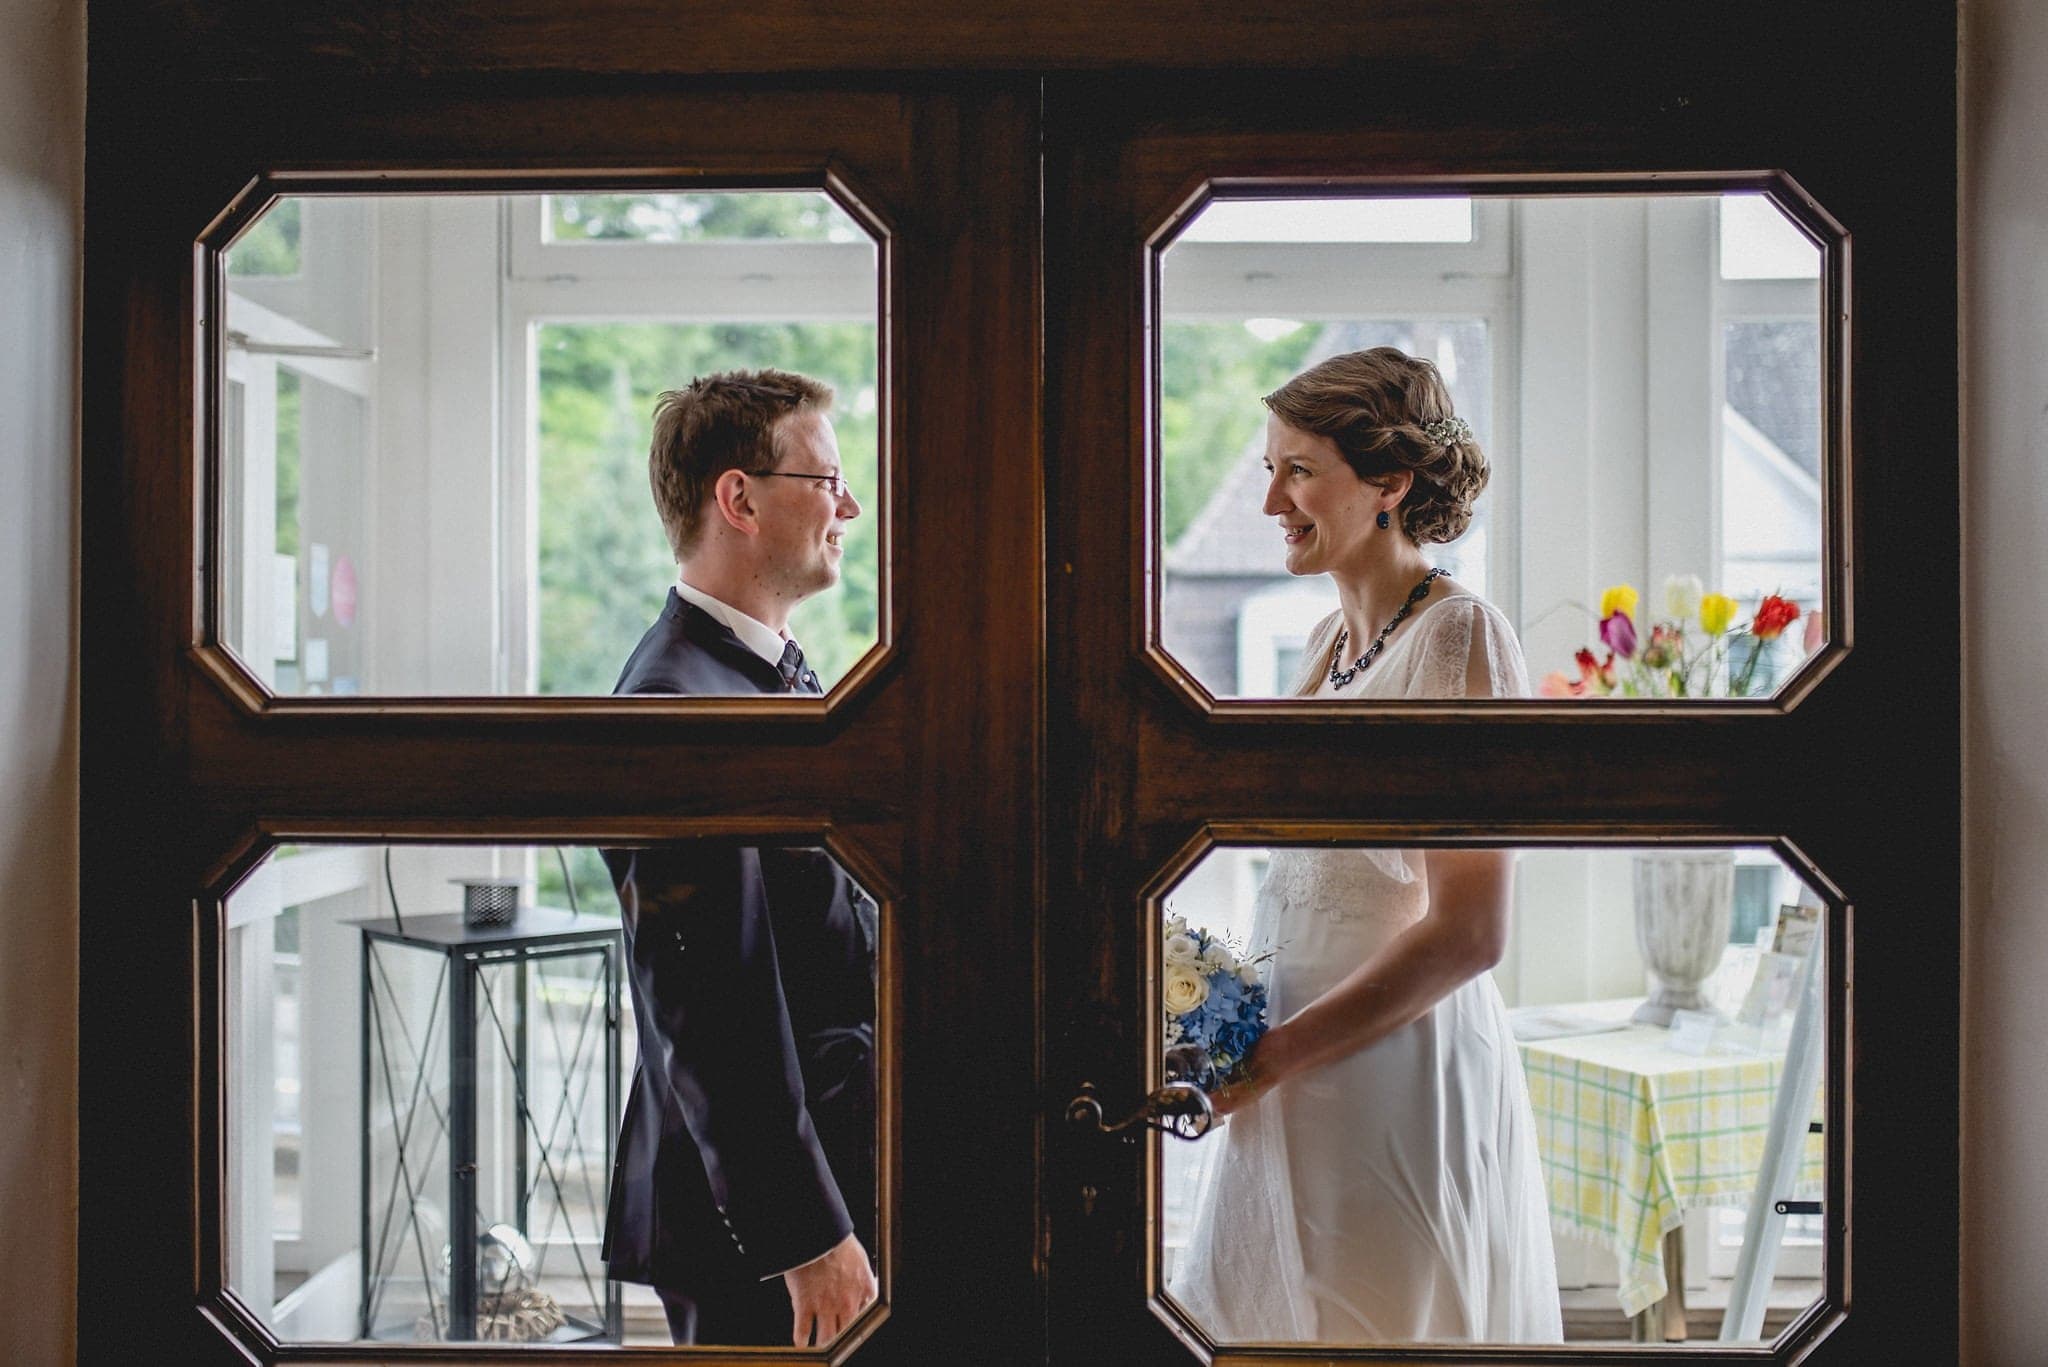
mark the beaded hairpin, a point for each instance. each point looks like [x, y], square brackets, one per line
[1444, 431]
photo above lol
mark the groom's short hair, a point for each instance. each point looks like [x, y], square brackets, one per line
[725, 421]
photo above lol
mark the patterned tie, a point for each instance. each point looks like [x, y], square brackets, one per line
[795, 677]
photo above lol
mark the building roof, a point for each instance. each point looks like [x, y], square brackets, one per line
[1773, 379]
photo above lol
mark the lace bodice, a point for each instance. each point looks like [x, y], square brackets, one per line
[1322, 912]
[1458, 647]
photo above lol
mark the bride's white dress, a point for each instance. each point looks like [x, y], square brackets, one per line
[1394, 1195]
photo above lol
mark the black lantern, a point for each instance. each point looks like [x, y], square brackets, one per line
[490, 1100]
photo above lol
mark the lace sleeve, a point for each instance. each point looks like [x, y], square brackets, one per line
[1471, 652]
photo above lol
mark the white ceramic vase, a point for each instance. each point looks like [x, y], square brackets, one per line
[1685, 900]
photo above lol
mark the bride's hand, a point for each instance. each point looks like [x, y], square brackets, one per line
[1233, 1096]
[1252, 1080]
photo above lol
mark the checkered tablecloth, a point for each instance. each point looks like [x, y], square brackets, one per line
[1633, 1134]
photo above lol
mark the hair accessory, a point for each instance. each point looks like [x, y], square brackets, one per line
[1444, 431]
[1383, 519]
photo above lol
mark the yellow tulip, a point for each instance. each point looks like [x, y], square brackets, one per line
[1717, 610]
[1620, 598]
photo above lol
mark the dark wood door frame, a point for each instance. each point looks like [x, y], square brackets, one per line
[1017, 771]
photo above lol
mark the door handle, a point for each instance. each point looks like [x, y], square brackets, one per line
[1180, 1109]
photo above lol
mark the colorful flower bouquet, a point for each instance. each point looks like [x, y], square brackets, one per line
[1215, 1004]
[1694, 650]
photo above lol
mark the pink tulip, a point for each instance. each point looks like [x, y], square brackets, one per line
[1618, 634]
[1816, 630]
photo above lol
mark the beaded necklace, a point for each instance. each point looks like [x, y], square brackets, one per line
[1340, 677]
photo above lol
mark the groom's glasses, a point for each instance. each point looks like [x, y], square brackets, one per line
[834, 483]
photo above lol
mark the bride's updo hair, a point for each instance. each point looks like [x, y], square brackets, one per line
[1377, 406]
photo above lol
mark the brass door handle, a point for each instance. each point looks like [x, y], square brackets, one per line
[1180, 1109]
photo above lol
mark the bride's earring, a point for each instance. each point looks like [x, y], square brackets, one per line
[1383, 519]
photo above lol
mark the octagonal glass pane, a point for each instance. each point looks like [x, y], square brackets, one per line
[436, 425]
[1636, 477]
[1613, 1132]
[424, 1040]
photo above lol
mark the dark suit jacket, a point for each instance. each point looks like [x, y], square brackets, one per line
[747, 1145]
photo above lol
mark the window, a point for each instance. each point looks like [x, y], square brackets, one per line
[435, 421]
[1642, 1118]
[1626, 363]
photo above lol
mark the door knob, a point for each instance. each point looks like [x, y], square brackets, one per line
[1180, 1109]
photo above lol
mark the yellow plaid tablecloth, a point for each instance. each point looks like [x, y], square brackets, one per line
[1633, 1134]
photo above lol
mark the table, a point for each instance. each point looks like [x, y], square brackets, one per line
[1632, 1134]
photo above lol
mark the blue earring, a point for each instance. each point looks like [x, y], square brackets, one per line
[1383, 519]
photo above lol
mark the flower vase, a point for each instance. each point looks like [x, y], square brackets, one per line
[1685, 902]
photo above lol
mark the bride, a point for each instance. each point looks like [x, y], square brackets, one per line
[1378, 1179]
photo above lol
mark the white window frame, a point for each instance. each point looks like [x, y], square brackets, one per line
[311, 879]
[249, 527]
[1320, 282]
[1792, 299]
[546, 282]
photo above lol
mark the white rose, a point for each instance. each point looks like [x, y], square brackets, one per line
[1682, 597]
[1185, 991]
[1215, 957]
[1248, 974]
[1177, 925]
[1180, 950]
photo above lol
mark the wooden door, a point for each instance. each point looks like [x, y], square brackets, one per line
[917, 772]
[1152, 765]
[1021, 767]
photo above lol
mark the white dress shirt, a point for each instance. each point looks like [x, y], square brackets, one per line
[755, 635]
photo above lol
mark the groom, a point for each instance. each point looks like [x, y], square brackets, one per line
[744, 1190]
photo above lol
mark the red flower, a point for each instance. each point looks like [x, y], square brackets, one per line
[1773, 615]
[1594, 677]
[1595, 674]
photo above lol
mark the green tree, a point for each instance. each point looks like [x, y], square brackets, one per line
[288, 408]
[271, 245]
[786, 215]
[1211, 378]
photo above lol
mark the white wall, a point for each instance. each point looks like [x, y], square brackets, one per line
[42, 164]
[2005, 715]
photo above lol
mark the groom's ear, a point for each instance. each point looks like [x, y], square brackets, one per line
[733, 497]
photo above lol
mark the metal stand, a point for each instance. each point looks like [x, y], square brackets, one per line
[1763, 1229]
[465, 1281]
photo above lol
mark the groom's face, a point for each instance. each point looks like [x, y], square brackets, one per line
[802, 520]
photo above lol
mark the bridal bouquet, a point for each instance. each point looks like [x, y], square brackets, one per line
[1694, 650]
[1214, 999]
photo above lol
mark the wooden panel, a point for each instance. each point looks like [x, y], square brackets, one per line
[231, 40]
